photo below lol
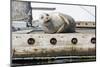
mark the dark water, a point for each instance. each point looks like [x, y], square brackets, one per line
[68, 59]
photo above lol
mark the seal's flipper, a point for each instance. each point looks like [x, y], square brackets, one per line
[66, 22]
[64, 19]
[60, 29]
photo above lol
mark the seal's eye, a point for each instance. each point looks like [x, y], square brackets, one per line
[47, 14]
[42, 17]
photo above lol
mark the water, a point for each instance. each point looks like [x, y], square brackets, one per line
[67, 59]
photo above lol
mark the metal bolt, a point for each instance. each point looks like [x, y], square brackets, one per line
[31, 41]
[53, 41]
[93, 40]
[74, 40]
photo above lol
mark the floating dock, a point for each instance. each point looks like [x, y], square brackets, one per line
[32, 48]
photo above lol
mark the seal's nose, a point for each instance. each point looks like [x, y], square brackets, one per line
[47, 18]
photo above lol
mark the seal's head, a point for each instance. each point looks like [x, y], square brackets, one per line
[45, 17]
[46, 21]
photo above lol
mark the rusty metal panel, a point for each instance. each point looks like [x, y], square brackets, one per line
[66, 44]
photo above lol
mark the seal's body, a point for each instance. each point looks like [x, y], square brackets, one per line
[57, 23]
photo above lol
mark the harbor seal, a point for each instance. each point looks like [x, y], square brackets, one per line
[57, 23]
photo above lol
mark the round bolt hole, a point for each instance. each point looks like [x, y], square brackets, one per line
[53, 41]
[86, 23]
[31, 41]
[78, 23]
[93, 24]
[93, 40]
[74, 40]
